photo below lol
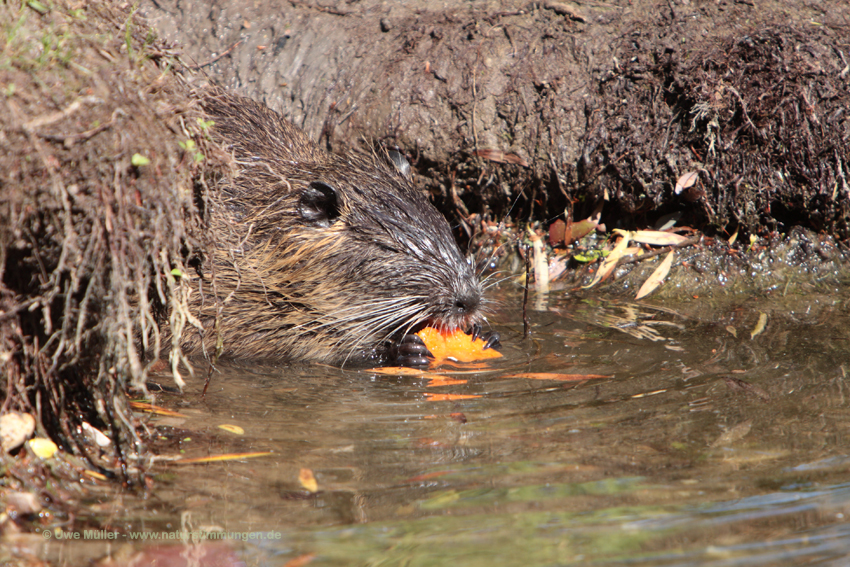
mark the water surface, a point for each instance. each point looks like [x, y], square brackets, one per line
[710, 439]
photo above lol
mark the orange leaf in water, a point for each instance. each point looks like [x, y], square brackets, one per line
[301, 560]
[307, 480]
[557, 376]
[150, 408]
[444, 381]
[428, 476]
[455, 345]
[398, 371]
[448, 397]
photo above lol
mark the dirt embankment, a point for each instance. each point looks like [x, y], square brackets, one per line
[99, 216]
[558, 104]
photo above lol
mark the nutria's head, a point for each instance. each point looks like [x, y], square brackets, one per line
[324, 257]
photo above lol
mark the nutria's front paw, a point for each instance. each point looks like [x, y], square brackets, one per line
[491, 339]
[411, 351]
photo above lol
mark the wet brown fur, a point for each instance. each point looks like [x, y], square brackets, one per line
[290, 283]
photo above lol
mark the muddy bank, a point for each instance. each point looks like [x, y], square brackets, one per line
[533, 109]
[100, 188]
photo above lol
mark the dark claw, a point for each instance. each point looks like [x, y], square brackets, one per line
[411, 351]
[492, 340]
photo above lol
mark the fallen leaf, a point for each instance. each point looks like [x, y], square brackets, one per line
[22, 502]
[42, 447]
[607, 266]
[459, 417]
[301, 560]
[95, 474]
[139, 160]
[428, 476]
[226, 457]
[686, 180]
[580, 229]
[658, 238]
[235, 429]
[15, 428]
[647, 394]
[97, 435]
[150, 408]
[448, 397]
[399, 371]
[438, 381]
[556, 233]
[541, 266]
[557, 376]
[307, 480]
[759, 328]
[657, 277]
[455, 345]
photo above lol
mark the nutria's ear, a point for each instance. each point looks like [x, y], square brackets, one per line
[400, 162]
[319, 204]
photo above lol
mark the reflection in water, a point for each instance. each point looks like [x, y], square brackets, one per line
[709, 443]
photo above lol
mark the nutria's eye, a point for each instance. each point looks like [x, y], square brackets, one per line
[319, 204]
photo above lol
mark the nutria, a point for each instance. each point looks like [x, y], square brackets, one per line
[322, 257]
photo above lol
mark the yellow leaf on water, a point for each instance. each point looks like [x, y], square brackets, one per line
[657, 277]
[42, 447]
[235, 429]
[610, 262]
[308, 481]
[658, 238]
[759, 326]
[95, 474]
[227, 457]
[150, 408]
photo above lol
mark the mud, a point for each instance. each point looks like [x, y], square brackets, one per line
[536, 108]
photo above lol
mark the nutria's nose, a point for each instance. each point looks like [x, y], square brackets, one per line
[467, 303]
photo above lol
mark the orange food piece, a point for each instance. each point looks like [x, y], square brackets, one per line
[455, 345]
